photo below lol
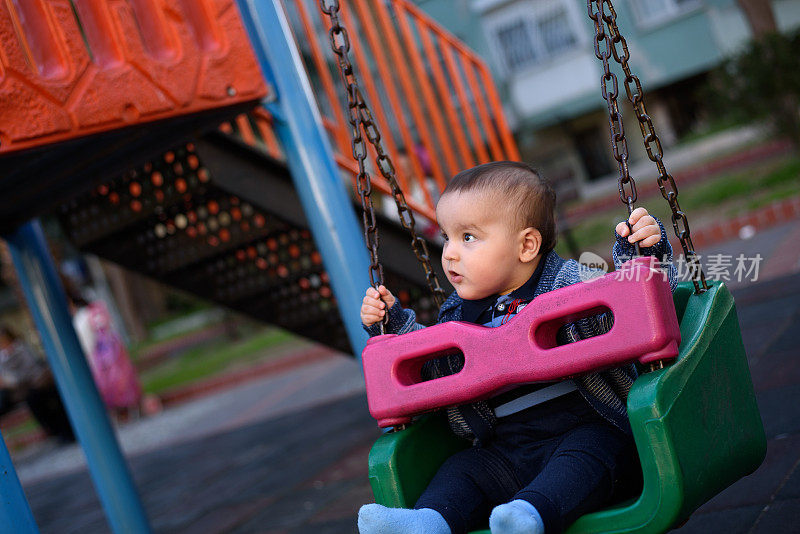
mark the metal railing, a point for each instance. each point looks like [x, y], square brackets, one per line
[433, 98]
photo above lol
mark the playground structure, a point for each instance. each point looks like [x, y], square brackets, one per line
[141, 200]
[111, 116]
[121, 138]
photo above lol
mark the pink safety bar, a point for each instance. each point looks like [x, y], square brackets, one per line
[524, 350]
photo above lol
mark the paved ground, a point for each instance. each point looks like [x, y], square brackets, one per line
[267, 455]
[767, 501]
[287, 453]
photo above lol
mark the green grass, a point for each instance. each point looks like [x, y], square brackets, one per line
[728, 194]
[715, 127]
[786, 173]
[765, 199]
[140, 348]
[25, 427]
[752, 183]
[591, 231]
[213, 358]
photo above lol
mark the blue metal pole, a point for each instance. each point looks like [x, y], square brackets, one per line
[48, 305]
[15, 514]
[316, 176]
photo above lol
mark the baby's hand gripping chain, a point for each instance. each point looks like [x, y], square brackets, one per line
[524, 350]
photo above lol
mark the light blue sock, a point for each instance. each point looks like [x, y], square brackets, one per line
[378, 519]
[516, 517]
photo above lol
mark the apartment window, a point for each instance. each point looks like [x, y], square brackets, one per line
[650, 12]
[516, 45]
[555, 32]
[527, 33]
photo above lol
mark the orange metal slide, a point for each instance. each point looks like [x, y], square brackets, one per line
[78, 67]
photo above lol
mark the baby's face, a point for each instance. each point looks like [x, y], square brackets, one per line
[481, 250]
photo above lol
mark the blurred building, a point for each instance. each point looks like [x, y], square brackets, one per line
[542, 55]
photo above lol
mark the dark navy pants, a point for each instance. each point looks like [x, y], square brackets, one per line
[560, 456]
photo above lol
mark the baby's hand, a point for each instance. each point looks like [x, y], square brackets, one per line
[645, 228]
[372, 309]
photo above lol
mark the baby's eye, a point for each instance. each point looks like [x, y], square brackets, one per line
[469, 238]
[444, 236]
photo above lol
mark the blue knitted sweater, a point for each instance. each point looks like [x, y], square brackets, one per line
[606, 391]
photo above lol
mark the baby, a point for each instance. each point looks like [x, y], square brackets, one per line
[542, 454]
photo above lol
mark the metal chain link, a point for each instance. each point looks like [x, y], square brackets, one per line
[405, 214]
[619, 144]
[340, 43]
[652, 144]
[360, 117]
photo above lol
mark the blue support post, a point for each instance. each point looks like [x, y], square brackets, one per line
[15, 513]
[48, 305]
[322, 192]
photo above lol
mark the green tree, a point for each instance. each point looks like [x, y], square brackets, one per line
[762, 83]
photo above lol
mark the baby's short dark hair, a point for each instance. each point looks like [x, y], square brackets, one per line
[530, 196]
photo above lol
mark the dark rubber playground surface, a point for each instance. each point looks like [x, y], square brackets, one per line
[303, 469]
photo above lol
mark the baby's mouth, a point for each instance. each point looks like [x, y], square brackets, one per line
[454, 276]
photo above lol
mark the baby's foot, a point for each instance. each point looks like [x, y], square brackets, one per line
[516, 517]
[378, 519]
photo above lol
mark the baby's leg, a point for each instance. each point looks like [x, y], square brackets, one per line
[516, 517]
[467, 486]
[453, 499]
[579, 478]
[377, 519]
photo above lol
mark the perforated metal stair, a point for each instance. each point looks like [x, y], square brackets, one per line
[219, 219]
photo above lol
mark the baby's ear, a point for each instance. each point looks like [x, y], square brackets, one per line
[531, 243]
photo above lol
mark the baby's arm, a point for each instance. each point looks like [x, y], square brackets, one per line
[374, 308]
[652, 238]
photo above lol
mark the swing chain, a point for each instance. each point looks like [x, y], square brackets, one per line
[652, 144]
[619, 144]
[340, 43]
[360, 117]
[405, 214]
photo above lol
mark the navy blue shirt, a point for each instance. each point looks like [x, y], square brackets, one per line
[500, 308]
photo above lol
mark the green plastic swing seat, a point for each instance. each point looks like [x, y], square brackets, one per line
[696, 425]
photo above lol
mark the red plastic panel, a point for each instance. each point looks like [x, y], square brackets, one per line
[524, 350]
[69, 68]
